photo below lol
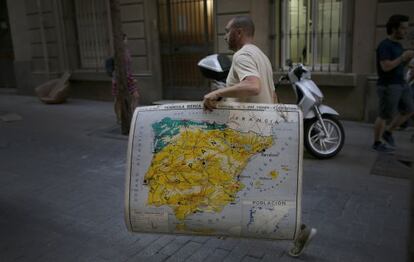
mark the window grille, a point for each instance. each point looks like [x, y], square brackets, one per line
[313, 33]
[92, 19]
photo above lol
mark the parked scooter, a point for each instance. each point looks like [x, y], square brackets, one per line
[324, 134]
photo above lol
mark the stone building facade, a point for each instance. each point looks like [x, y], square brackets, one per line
[336, 39]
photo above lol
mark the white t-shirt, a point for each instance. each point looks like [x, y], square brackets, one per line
[251, 61]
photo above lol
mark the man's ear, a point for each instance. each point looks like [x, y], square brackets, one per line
[239, 32]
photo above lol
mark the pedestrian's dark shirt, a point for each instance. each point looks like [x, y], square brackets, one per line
[390, 50]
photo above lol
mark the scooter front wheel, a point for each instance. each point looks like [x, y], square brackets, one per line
[322, 145]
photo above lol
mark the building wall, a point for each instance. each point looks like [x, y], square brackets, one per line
[341, 89]
[139, 22]
[22, 37]
[49, 47]
[353, 94]
[385, 9]
[257, 9]
[42, 50]
[7, 78]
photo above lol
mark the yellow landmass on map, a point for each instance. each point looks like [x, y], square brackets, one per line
[274, 174]
[198, 169]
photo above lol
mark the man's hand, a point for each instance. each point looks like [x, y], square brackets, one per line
[410, 73]
[210, 100]
[407, 55]
[388, 65]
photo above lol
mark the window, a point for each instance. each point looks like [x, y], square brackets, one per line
[93, 37]
[314, 33]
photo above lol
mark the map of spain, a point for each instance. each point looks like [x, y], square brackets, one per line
[235, 171]
[196, 165]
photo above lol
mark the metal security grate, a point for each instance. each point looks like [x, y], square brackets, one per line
[314, 33]
[92, 20]
[186, 35]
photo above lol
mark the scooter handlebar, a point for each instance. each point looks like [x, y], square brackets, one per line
[281, 79]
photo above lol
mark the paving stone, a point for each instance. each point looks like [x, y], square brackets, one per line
[148, 258]
[205, 250]
[185, 252]
[270, 258]
[250, 259]
[65, 251]
[200, 239]
[173, 246]
[218, 255]
[238, 252]
[63, 199]
[156, 245]
[388, 254]
[229, 243]
[257, 249]
[127, 251]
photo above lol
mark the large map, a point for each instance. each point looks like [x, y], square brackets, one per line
[235, 171]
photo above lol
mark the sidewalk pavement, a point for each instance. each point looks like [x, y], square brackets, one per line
[62, 190]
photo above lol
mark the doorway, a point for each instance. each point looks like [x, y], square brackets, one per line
[186, 36]
[7, 78]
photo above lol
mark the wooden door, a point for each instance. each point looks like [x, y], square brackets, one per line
[186, 36]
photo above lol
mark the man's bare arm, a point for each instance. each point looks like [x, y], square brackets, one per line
[388, 65]
[249, 86]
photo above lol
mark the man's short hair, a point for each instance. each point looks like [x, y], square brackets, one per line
[395, 21]
[245, 23]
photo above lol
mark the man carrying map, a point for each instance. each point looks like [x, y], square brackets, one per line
[250, 80]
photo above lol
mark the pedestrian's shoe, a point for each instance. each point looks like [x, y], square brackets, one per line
[302, 241]
[382, 148]
[387, 136]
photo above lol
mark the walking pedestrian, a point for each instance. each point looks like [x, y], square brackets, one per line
[409, 77]
[131, 85]
[393, 92]
[251, 80]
